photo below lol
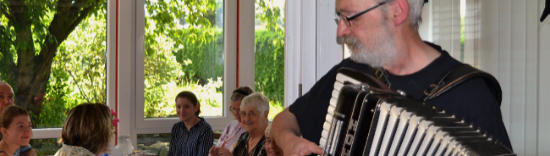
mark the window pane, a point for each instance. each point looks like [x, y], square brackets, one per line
[183, 51]
[269, 54]
[53, 56]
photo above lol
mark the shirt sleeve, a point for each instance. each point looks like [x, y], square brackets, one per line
[310, 109]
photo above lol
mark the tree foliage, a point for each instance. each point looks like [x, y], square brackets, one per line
[32, 32]
[269, 52]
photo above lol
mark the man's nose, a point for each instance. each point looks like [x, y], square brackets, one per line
[342, 29]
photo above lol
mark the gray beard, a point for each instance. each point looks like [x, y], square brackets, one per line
[382, 53]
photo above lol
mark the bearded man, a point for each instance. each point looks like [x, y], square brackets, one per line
[383, 35]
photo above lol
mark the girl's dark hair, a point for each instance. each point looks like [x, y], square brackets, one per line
[89, 125]
[191, 97]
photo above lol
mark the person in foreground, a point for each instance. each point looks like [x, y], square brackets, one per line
[384, 34]
[253, 113]
[192, 135]
[16, 129]
[233, 130]
[87, 131]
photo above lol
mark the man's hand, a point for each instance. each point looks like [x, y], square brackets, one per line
[285, 132]
[298, 146]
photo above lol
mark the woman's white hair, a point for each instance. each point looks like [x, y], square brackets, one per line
[256, 100]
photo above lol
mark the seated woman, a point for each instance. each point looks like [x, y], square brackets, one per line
[87, 131]
[253, 113]
[16, 129]
[233, 130]
[192, 135]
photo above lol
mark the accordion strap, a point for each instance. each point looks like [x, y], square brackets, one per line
[459, 74]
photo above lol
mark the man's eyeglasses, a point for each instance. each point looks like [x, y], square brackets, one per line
[347, 19]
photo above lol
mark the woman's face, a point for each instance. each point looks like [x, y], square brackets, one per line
[19, 132]
[235, 108]
[252, 119]
[185, 109]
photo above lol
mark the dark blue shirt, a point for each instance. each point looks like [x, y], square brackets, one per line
[196, 141]
[472, 100]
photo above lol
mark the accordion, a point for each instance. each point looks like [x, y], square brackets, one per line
[366, 118]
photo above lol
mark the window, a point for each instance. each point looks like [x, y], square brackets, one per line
[269, 52]
[183, 47]
[183, 51]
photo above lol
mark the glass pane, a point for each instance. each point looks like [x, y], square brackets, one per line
[157, 144]
[53, 56]
[183, 51]
[269, 54]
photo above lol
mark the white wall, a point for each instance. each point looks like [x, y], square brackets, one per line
[514, 45]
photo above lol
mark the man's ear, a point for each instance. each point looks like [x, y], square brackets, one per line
[400, 11]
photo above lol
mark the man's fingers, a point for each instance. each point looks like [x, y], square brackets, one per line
[313, 149]
[317, 149]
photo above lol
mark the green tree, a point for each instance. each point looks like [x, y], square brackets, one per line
[269, 53]
[31, 33]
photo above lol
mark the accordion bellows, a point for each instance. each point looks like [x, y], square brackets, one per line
[366, 118]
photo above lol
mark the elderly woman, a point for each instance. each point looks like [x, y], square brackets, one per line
[253, 112]
[87, 130]
[192, 135]
[233, 130]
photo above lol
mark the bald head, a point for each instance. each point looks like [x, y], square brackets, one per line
[6, 95]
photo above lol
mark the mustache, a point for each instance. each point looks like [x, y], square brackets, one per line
[351, 42]
[346, 40]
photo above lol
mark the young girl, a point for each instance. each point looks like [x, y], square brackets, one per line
[192, 135]
[16, 129]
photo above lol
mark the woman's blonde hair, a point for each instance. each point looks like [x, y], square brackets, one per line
[88, 125]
